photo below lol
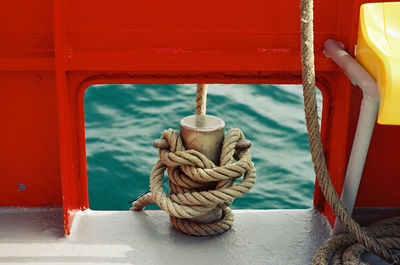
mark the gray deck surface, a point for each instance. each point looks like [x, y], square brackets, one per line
[35, 236]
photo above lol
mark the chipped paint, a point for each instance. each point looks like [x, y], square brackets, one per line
[21, 187]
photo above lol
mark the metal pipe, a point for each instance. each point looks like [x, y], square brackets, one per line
[365, 126]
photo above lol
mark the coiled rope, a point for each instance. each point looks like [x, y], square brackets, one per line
[197, 185]
[356, 234]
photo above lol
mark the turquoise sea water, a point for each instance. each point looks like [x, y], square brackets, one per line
[123, 120]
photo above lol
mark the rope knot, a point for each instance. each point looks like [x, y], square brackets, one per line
[197, 185]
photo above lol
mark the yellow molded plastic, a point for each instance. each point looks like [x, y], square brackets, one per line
[378, 50]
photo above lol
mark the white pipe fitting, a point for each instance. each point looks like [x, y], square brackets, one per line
[365, 126]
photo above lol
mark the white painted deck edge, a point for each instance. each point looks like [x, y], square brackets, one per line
[35, 236]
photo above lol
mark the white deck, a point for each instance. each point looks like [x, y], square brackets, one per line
[35, 236]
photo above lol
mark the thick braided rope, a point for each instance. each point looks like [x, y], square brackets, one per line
[201, 99]
[190, 172]
[320, 168]
[344, 249]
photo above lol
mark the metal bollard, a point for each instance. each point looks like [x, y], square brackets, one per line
[204, 133]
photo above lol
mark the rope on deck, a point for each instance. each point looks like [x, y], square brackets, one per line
[356, 233]
[197, 185]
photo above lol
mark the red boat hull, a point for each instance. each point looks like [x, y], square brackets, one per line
[51, 51]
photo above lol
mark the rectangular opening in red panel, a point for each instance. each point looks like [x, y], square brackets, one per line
[123, 120]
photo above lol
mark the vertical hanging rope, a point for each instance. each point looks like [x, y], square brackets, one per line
[320, 168]
[201, 99]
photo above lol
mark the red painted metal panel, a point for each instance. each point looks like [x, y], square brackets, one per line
[73, 197]
[380, 181]
[73, 44]
[26, 35]
[28, 140]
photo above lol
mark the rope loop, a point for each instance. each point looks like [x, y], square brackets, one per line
[197, 185]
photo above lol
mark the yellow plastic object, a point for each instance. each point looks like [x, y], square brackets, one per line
[378, 50]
